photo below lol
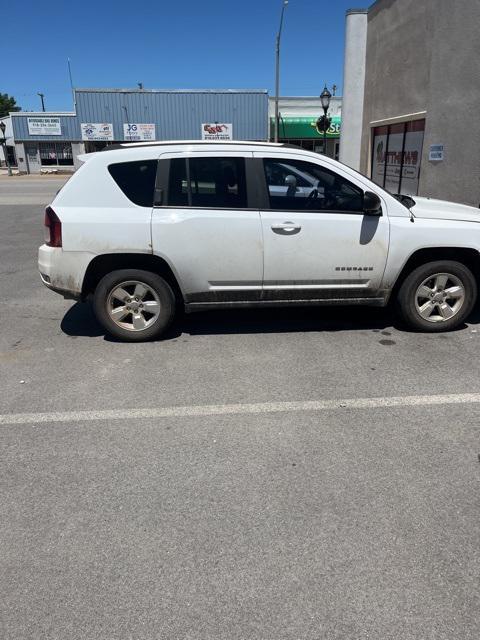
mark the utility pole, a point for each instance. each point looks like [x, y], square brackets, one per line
[42, 96]
[71, 82]
[277, 70]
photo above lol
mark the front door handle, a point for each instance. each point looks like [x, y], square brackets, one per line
[286, 228]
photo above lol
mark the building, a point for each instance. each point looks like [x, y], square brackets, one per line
[10, 145]
[411, 97]
[54, 140]
[298, 119]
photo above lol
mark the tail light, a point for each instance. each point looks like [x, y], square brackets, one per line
[53, 228]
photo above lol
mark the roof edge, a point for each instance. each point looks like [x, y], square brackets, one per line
[351, 12]
[110, 90]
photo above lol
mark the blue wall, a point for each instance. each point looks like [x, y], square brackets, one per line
[69, 125]
[177, 114]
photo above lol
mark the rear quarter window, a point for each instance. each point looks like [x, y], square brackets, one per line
[136, 180]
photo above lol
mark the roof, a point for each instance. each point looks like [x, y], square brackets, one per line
[100, 90]
[43, 114]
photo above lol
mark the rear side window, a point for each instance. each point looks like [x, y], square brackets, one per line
[208, 183]
[136, 180]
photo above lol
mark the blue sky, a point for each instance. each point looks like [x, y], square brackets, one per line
[168, 45]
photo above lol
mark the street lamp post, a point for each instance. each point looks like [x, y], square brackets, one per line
[42, 96]
[4, 145]
[277, 70]
[325, 101]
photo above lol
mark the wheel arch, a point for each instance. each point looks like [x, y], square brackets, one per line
[106, 263]
[467, 256]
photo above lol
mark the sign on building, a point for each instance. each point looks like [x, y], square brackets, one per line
[135, 131]
[217, 131]
[436, 152]
[97, 130]
[43, 126]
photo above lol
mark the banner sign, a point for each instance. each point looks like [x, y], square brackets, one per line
[43, 126]
[137, 131]
[304, 127]
[97, 130]
[217, 131]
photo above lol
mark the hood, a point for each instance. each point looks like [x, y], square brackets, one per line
[444, 210]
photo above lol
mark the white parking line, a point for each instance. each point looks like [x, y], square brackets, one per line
[232, 409]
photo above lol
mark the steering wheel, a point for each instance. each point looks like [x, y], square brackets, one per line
[312, 196]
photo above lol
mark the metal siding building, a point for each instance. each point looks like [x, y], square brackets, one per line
[68, 123]
[172, 115]
[177, 115]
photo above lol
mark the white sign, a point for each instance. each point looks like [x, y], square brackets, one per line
[217, 131]
[436, 152]
[97, 130]
[43, 126]
[134, 131]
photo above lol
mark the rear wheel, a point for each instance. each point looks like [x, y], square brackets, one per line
[437, 296]
[134, 305]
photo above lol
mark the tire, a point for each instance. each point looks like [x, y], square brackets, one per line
[134, 305]
[437, 296]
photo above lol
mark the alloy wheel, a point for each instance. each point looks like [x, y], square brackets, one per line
[133, 305]
[439, 297]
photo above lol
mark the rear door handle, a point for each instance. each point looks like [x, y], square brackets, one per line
[286, 228]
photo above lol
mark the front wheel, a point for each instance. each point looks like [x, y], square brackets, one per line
[437, 296]
[134, 305]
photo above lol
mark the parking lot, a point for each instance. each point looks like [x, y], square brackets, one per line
[266, 475]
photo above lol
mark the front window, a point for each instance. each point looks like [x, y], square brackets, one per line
[55, 153]
[298, 185]
[396, 156]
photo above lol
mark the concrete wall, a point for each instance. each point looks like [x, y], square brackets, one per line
[21, 157]
[453, 103]
[77, 149]
[353, 87]
[422, 55]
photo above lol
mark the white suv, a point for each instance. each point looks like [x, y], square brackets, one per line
[144, 228]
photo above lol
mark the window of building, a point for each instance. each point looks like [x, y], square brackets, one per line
[298, 185]
[396, 156]
[136, 180]
[208, 183]
[55, 153]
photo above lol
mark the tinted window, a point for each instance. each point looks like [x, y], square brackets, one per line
[136, 180]
[297, 185]
[208, 183]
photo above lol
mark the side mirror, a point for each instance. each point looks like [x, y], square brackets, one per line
[372, 205]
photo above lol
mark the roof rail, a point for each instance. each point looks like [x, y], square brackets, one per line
[159, 143]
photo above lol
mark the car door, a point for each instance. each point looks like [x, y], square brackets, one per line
[320, 244]
[205, 228]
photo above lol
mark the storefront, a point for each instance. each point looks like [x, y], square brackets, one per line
[396, 156]
[298, 123]
[46, 142]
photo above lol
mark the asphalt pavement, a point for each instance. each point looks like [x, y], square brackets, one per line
[265, 475]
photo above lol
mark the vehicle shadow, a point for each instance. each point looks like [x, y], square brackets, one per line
[80, 321]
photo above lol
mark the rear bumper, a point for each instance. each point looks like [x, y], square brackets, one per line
[63, 271]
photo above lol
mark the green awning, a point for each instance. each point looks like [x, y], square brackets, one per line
[304, 127]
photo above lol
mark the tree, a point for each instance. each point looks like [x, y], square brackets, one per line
[7, 104]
